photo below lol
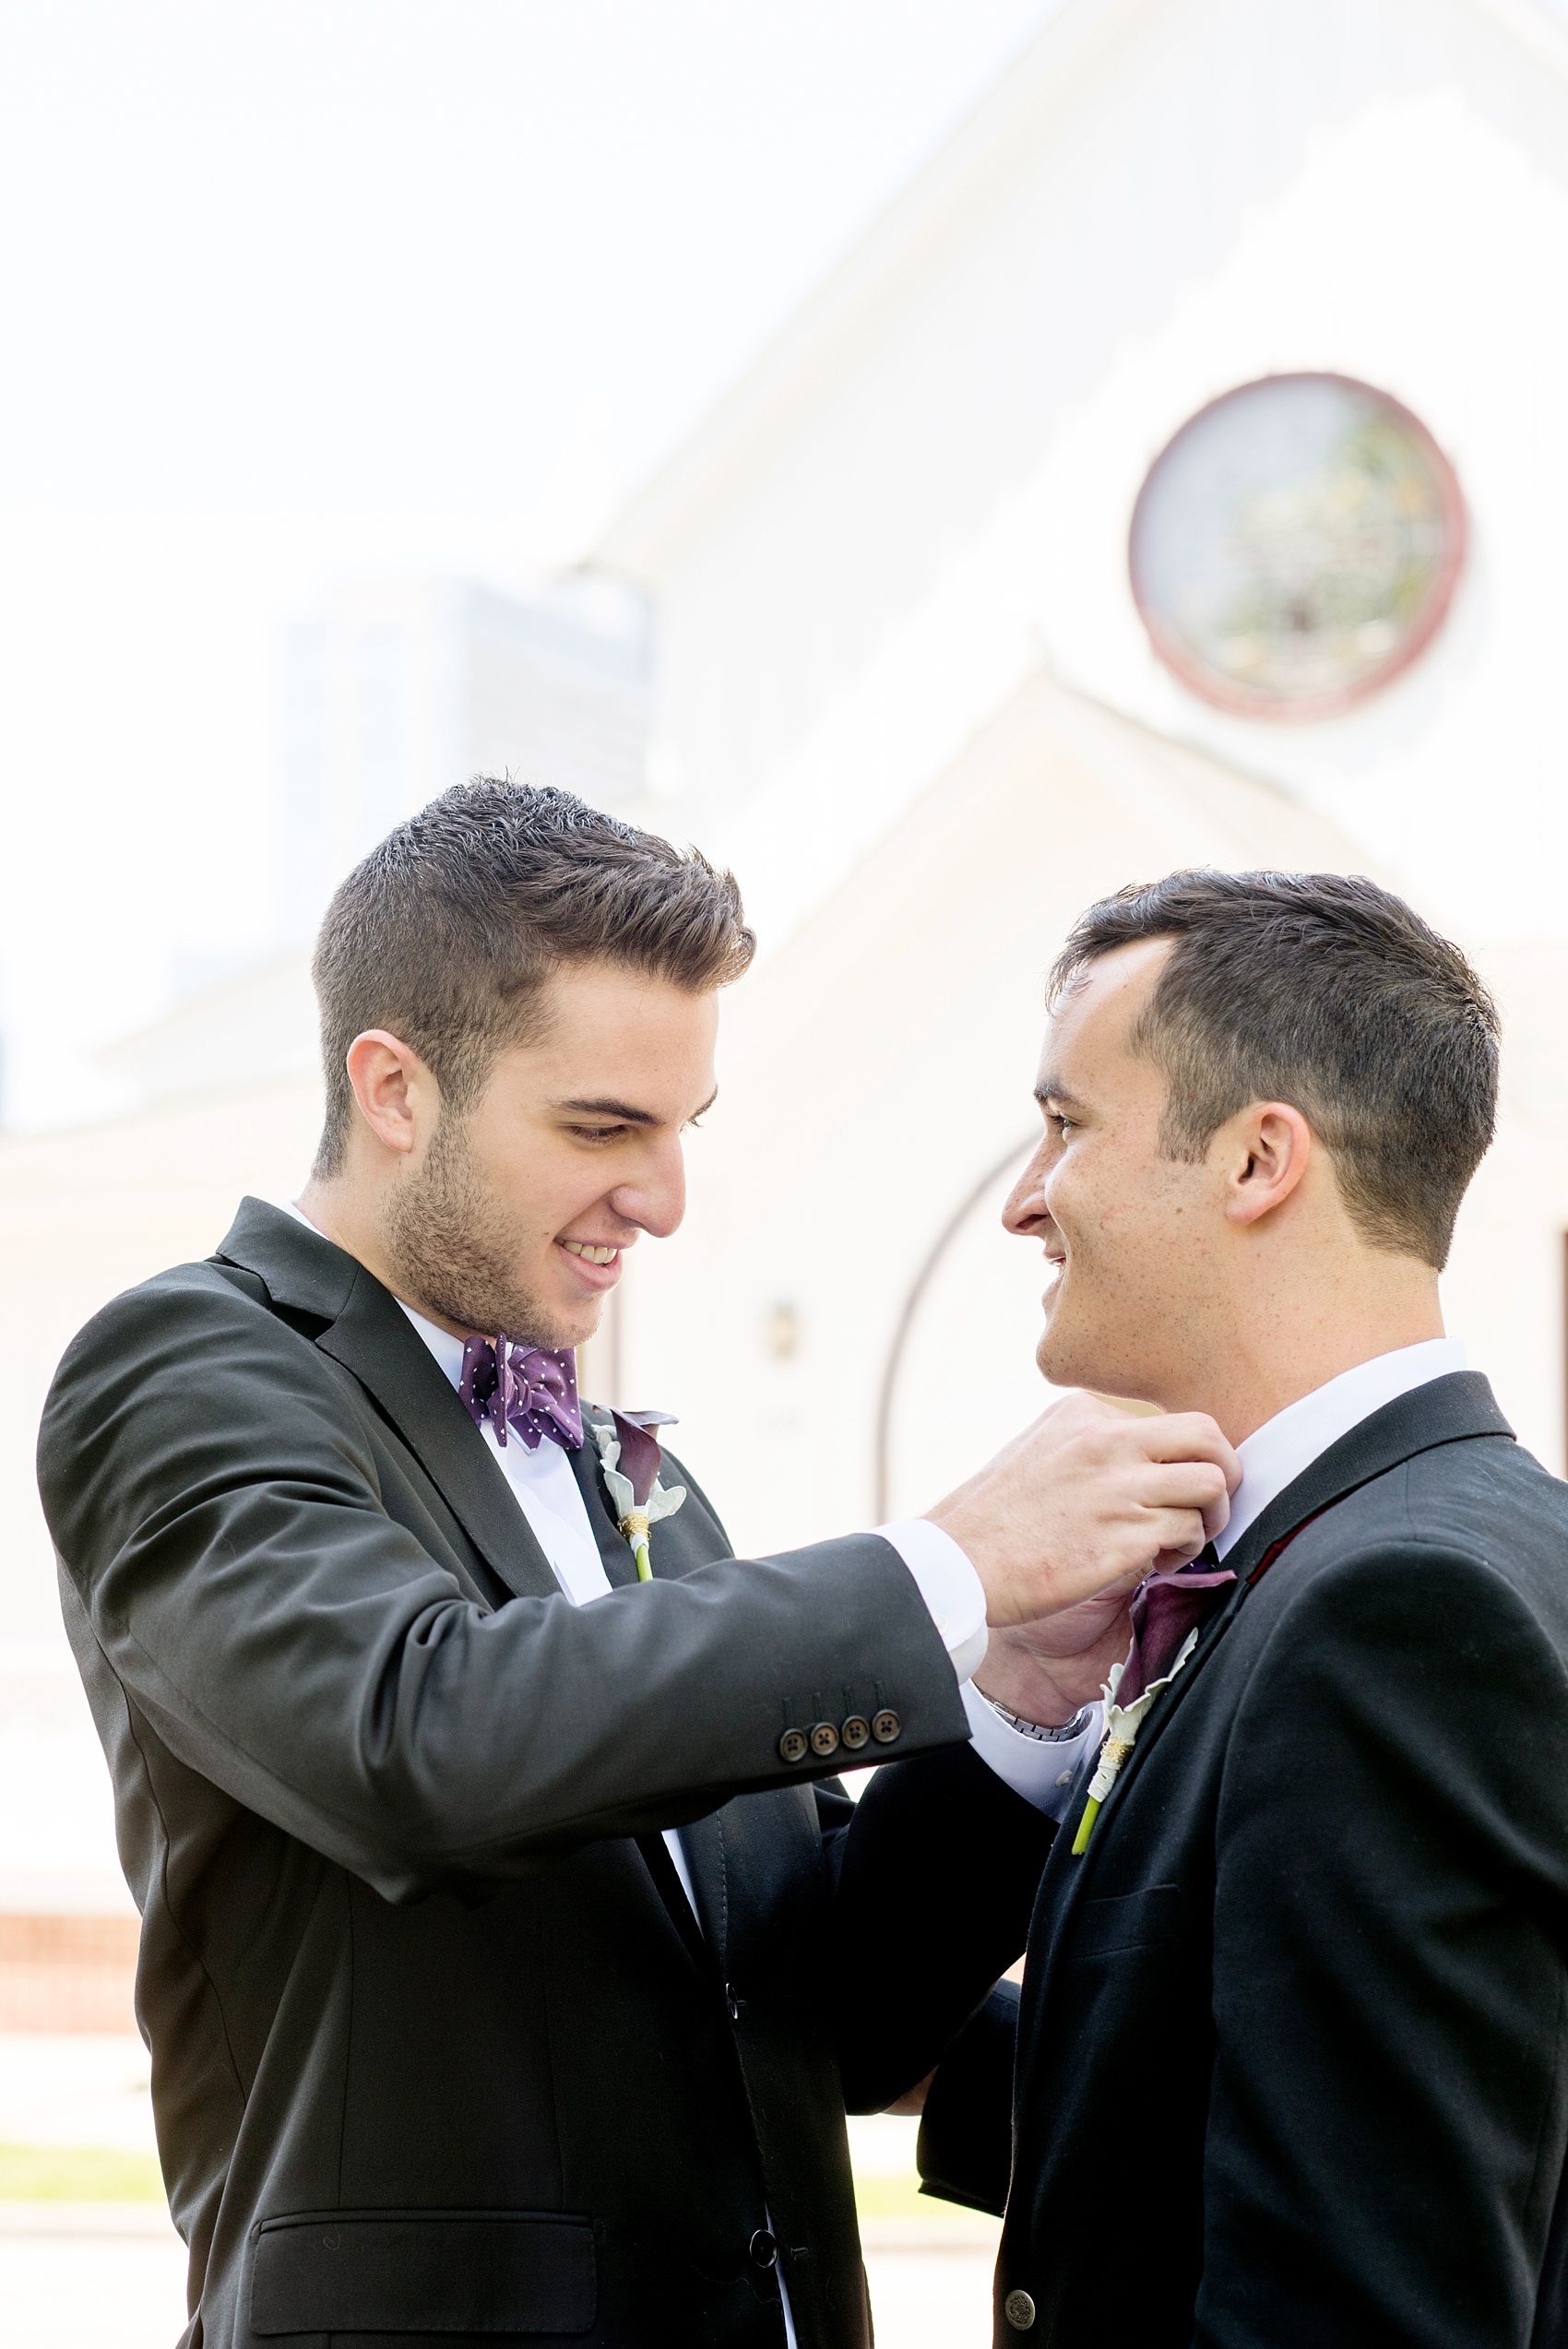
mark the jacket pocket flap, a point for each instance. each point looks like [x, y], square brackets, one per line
[423, 2271]
[1128, 1921]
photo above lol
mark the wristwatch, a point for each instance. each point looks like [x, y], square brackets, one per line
[1062, 1736]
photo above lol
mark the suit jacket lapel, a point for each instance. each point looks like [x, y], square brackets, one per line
[1446, 1410]
[370, 1334]
[613, 1548]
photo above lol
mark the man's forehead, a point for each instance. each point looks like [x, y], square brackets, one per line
[1090, 1024]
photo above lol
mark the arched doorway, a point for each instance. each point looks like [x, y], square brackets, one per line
[960, 1375]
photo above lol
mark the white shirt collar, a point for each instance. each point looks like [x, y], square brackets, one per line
[1275, 1454]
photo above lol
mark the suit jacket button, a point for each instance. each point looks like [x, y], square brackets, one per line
[1019, 2311]
[792, 1745]
[764, 2250]
[825, 1739]
[885, 1725]
[856, 1732]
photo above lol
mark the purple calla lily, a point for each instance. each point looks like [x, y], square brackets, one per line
[641, 1457]
[1165, 1609]
[630, 1460]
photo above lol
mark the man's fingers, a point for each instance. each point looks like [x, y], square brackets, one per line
[1175, 1529]
[1082, 1503]
[1182, 1484]
[1188, 1435]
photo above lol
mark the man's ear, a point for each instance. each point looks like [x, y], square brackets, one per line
[394, 1091]
[1266, 1151]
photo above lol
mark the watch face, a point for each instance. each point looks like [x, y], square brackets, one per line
[1295, 546]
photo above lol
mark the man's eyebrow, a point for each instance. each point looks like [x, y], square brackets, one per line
[623, 1111]
[1050, 1088]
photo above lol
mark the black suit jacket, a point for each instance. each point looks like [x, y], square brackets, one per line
[1293, 2051]
[437, 2050]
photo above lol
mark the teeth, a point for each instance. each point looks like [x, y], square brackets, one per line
[590, 1255]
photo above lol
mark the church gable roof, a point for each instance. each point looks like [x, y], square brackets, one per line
[1329, 56]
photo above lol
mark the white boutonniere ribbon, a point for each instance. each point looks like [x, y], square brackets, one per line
[1121, 1725]
[630, 1460]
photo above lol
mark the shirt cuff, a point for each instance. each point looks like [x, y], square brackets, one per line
[1043, 1770]
[953, 1592]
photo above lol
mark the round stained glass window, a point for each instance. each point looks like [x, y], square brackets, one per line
[1296, 545]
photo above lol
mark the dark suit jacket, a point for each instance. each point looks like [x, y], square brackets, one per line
[1293, 2052]
[436, 2049]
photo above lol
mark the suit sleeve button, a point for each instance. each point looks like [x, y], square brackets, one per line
[1019, 2311]
[825, 1739]
[792, 1745]
[886, 1725]
[856, 1732]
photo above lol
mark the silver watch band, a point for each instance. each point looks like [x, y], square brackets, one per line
[1064, 1736]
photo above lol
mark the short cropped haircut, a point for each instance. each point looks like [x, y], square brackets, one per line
[447, 933]
[1325, 991]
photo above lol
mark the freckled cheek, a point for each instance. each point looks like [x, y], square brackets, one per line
[1080, 1205]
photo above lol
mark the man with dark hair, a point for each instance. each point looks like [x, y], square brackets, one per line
[1291, 2068]
[504, 1970]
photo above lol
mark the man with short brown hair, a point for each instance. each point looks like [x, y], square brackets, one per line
[1291, 2068]
[505, 1971]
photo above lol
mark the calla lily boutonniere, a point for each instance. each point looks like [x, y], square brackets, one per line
[630, 1458]
[1168, 1611]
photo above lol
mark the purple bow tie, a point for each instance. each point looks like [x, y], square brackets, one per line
[524, 1388]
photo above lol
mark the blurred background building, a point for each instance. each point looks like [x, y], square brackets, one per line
[1175, 474]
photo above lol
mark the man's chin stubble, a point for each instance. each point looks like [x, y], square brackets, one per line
[444, 1235]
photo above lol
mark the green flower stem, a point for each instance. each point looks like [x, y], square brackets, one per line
[1085, 1827]
[633, 1524]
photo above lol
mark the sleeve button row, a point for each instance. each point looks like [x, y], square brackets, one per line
[824, 1738]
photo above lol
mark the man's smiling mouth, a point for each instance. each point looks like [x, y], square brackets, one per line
[590, 1254]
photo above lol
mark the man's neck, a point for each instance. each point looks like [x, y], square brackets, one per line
[1286, 1348]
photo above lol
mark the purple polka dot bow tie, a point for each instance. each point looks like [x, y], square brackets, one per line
[523, 1388]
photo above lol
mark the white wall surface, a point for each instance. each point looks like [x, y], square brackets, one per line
[923, 492]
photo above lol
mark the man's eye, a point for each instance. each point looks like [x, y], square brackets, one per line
[1062, 1126]
[597, 1132]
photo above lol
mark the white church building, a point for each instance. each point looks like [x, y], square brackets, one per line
[1176, 474]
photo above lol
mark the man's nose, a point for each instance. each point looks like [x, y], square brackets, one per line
[656, 1200]
[1024, 1210]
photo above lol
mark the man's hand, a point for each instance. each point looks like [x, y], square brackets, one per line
[1082, 1504]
